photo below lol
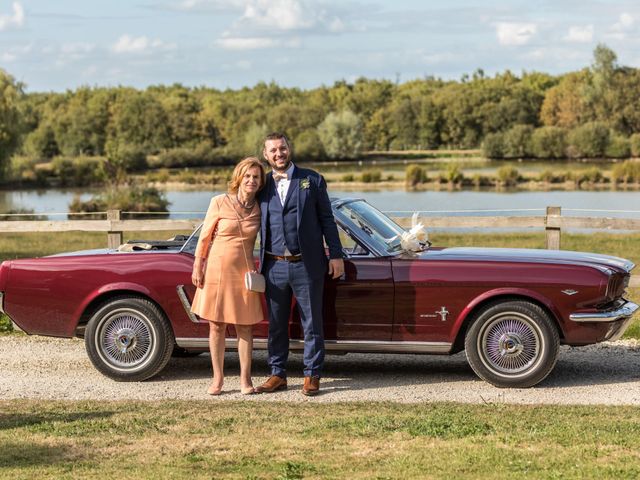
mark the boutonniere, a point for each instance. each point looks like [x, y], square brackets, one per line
[304, 183]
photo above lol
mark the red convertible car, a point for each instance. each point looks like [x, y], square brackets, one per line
[509, 309]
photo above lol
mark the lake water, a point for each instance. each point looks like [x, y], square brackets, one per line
[191, 204]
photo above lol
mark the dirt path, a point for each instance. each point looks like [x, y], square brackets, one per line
[46, 368]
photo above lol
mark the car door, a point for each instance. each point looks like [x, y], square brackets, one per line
[359, 305]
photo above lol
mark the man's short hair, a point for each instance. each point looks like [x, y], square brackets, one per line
[277, 136]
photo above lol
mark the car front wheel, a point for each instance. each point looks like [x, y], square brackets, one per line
[129, 339]
[512, 344]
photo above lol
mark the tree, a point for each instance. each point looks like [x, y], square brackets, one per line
[564, 105]
[138, 119]
[341, 134]
[10, 126]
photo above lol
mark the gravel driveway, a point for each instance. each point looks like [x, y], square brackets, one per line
[47, 368]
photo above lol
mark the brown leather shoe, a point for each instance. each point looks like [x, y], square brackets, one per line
[273, 384]
[311, 386]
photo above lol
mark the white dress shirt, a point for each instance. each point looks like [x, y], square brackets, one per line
[282, 185]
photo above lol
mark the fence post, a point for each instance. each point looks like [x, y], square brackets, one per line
[114, 239]
[552, 227]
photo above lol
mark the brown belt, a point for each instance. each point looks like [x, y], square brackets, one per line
[286, 258]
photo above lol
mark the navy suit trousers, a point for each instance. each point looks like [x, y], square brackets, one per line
[284, 279]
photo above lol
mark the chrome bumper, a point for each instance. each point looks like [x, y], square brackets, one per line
[620, 313]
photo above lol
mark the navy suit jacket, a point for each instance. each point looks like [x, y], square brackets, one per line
[315, 219]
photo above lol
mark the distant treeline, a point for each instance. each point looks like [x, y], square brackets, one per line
[594, 112]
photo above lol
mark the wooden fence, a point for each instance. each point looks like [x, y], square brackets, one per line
[553, 223]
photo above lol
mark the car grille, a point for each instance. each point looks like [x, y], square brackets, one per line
[618, 283]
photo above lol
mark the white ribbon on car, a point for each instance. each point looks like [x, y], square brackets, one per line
[416, 238]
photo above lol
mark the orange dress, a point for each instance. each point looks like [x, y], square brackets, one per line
[224, 298]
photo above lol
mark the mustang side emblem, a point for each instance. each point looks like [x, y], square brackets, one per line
[569, 292]
[443, 312]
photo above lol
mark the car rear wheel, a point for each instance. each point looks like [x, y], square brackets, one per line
[129, 339]
[512, 344]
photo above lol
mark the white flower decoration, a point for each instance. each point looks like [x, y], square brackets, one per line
[416, 238]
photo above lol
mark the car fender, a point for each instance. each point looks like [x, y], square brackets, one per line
[503, 292]
[105, 290]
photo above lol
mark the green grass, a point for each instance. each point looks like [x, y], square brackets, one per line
[346, 440]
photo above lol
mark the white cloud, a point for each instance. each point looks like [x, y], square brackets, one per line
[271, 23]
[129, 44]
[620, 29]
[279, 14]
[16, 19]
[208, 5]
[239, 65]
[14, 52]
[624, 22]
[77, 48]
[249, 43]
[515, 33]
[579, 34]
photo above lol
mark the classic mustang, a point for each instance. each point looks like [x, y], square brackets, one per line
[509, 309]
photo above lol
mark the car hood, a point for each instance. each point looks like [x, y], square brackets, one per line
[526, 255]
[108, 251]
[96, 251]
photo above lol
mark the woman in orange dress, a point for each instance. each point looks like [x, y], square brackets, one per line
[224, 250]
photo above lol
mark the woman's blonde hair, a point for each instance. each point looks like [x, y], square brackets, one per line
[241, 168]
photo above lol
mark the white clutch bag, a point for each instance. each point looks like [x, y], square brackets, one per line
[254, 281]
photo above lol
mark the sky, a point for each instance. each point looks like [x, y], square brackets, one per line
[63, 44]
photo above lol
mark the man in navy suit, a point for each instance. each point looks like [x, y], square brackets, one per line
[296, 217]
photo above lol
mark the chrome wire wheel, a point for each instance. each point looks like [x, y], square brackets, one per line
[510, 344]
[129, 338]
[125, 339]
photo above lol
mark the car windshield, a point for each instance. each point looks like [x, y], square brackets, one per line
[373, 223]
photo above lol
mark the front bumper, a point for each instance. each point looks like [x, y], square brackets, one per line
[621, 312]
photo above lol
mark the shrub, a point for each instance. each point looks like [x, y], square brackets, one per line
[591, 175]
[161, 176]
[452, 174]
[27, 169]
[634, 142]
[517, 141]
[5, 324]
[618, 147]
[187, 176]
[415, 174]
[371, 176]
[201, 155]
[626, 172]
[131, 198]
[548, 176]
[347, 177]
[175, 158]
[589, 140]
[78, 171]
[549, 142]
[508, 175]
[480, 180]
[493, 145]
